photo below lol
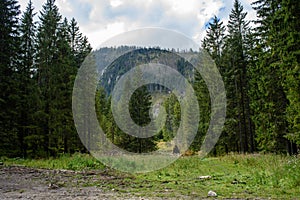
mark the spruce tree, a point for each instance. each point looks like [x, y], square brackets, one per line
[292, 60]
[203, 98]
[56, 73]
[28, 103]
[285, 42]
[139, 107]
[237, 77]
[46, 55]
[213, 42]
[80, 48]
[64, 71]
[9, 48]
[79, 43]
[268, 99]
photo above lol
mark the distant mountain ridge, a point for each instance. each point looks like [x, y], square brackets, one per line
[111, 69]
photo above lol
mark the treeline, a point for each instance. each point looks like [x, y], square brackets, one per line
[38, 65]
[260, 68]
[259, 65]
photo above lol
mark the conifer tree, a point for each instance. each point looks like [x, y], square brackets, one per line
[289, 51]
[203, 98]
[213, 42]
[79, 43]
[237, 77]
[139, 107]
[28, 102]
[268, 99]
[284, 41]
[47, 42]
[9, 48]
[56, 73]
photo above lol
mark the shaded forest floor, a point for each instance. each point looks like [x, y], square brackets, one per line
[82, 177]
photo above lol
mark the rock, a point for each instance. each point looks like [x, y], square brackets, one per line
[53, 186]
[212, 194]
[176, 150]
[204, 177]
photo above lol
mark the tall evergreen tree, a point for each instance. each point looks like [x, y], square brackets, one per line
[284, 39]
[214, 44]
[56, 73]
[202, 93]
[47, 42]
[237, 77]
[80, 49]
[289, 51]
[214, 40]
[63, 74]
[268, 99]
[139, 107]
[79, 43]
[28, 101]
[9, 48]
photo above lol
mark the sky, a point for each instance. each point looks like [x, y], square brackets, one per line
[101, 20]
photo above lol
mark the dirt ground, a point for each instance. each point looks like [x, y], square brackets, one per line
[17, 182]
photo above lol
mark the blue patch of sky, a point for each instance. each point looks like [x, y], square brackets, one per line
[207, 24]
[81, 10]
[222, 9]
[223, 14]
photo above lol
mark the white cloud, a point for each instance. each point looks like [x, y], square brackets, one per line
[102, 19]
[106, 33]
[188, 17]
[116, 3]
[65, 6]
[36, 4]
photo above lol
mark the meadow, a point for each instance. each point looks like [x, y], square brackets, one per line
[253, 176]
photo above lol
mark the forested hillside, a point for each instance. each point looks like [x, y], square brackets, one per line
[41, 52]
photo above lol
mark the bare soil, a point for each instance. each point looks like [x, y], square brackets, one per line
[19, 182]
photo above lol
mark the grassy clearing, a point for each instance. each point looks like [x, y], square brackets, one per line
[75, 162]
[232, 176]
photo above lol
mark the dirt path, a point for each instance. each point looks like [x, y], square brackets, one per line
[17, 182]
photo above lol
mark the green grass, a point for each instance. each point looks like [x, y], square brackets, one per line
[233, 176]
[75, 162]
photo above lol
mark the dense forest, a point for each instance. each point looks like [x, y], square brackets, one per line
[259, 65]
[39, 62]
